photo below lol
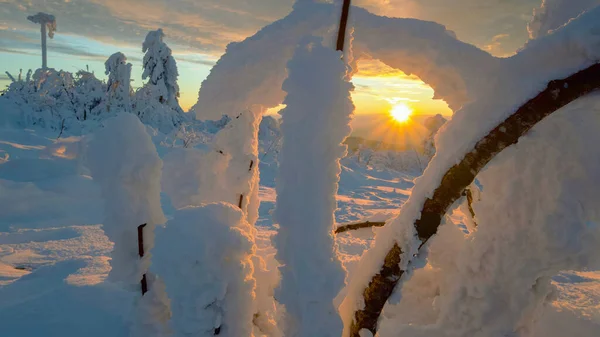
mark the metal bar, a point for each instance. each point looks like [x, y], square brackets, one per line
[343, 23]
[140, 232]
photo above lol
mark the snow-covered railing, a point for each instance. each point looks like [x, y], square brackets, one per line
[557, 94]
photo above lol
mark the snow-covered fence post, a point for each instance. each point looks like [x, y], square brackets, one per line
[216, 192]
[124, 163]
[314, 126]
[557, 94]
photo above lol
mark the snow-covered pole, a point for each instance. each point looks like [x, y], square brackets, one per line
[45, 20]
[343, 23]
[318, 104]
[44, 58]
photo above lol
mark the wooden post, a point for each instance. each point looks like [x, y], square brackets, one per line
[144, 283]
[343, 23]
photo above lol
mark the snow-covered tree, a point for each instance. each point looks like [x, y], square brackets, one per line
[156, 102]
[118, 84]
[160, 69]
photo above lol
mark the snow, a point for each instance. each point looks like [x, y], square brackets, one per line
[124, 162]
[160, 68]
[318, 103]
[204, 255]
[546, 59]
[72, 203]
[44, 19]
[497, 280]
[118, 84]
[49, 227]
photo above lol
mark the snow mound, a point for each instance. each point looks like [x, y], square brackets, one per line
[204, 256]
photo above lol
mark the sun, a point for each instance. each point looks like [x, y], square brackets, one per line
[401, 112]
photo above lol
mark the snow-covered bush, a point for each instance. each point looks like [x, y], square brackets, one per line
[47, 101]
[90, 93]
[57, 100]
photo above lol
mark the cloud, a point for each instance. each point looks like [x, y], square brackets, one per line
[16, 51]
[473, 21]
[376, 68]
[207, 26]
[202, 25]
[554, 13]
[205, 62]
[495, 45]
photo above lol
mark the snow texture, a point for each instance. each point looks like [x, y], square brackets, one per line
[205, 257]
[318, 104]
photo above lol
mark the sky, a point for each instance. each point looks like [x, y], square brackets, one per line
[199, 30]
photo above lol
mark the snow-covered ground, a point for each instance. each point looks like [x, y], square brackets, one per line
[54, 255]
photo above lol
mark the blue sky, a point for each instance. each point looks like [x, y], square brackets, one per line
[199, 30]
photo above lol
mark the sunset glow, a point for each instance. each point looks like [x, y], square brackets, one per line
[401, 112]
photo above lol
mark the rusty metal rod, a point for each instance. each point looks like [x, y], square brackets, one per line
[140, 232]
[343, 23]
